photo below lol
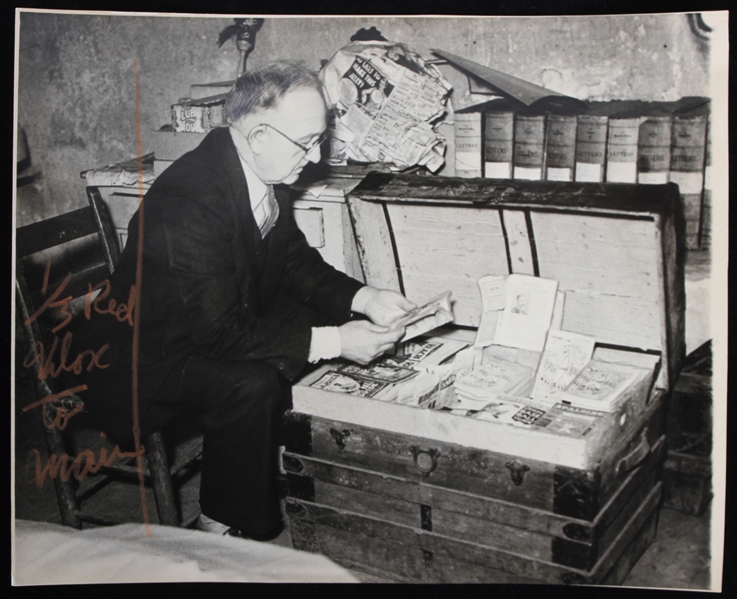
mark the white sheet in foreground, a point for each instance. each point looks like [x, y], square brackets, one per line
[48, 554]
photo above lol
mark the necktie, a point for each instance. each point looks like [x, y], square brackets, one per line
[267, 212]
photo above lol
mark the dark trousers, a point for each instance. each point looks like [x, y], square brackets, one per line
[241, 404]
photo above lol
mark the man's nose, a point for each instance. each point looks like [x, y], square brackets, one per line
[314, 155]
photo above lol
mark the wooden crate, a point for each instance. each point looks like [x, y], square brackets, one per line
[429, 496]
[688, 466]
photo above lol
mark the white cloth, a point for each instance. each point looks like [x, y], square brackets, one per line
[46, 553]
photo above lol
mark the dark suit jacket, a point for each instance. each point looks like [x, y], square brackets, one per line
[207, 280]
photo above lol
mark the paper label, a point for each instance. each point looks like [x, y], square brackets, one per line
[468, 160]
[653, 178]
[621, 172]
[530, 174]
[498, 170]
[587, 171]
[560, 174]
[688, 183]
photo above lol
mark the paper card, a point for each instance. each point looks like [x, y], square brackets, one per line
[493, 299]
[527, 312]
[492, 292]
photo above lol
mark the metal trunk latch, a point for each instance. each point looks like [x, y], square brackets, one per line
[517, 471]
[340, 436]
[426, 460]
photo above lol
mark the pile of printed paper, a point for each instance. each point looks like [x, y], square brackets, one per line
[475, 388]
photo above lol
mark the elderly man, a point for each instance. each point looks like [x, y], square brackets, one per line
[233, 302]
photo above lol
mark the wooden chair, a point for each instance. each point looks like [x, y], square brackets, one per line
[81, 227]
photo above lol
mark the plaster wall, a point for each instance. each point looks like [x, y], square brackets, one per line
[76, 79]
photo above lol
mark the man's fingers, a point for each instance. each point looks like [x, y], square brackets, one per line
[406, 304]
[376, 328]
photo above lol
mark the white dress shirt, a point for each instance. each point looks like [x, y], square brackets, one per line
[325, 343]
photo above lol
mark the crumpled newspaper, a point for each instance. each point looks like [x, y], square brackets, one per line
[385, 98]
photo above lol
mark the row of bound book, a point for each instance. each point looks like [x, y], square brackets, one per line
[619, 141]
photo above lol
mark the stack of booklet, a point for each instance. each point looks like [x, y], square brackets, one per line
[385, 379]
[604, 385]
[494, 378]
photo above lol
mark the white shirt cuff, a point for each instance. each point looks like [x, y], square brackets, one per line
[362, 297]
[325, 344]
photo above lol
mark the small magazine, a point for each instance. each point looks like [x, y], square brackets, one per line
[343, 383]
[423, 353]
[560, 419]
[602, 385]
[381, 372]
[564, 357]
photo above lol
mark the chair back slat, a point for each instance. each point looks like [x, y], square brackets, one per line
[77, 286]
[54, 231]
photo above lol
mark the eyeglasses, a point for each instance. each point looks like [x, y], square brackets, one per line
[305, 148]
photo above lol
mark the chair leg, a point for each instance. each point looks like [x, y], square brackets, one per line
[66, 492]
[161, 480]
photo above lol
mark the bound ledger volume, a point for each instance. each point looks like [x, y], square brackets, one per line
[498, 144]
[621, 157]
[688, 154]
[529, 145]
[653, 150]
[560, 148]
[468, 144]
[591, 137]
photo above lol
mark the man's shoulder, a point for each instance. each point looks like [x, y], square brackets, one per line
[204, 167]
[208, 155]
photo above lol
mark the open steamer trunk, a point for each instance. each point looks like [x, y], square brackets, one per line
[425, 495]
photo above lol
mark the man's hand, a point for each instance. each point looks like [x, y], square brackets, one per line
[362, 341]
[382, 306]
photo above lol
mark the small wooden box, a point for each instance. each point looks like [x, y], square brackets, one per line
[424, 495]
[198, 116]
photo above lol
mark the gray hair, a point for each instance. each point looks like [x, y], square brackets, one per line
[264, 88]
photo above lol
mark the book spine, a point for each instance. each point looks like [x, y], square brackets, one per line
[529, 143]
[560, 148]
[498, 144]
[653, 150]
[467, 131]
[688, 147]
[591, 135]
[621, 155]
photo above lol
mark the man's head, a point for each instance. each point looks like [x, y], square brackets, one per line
[279, 115]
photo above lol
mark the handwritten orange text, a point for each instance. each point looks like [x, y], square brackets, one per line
[66, 410]
[121, 311]
[46, 366]
[86, 462]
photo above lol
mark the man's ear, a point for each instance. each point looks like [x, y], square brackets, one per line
[256, 138]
